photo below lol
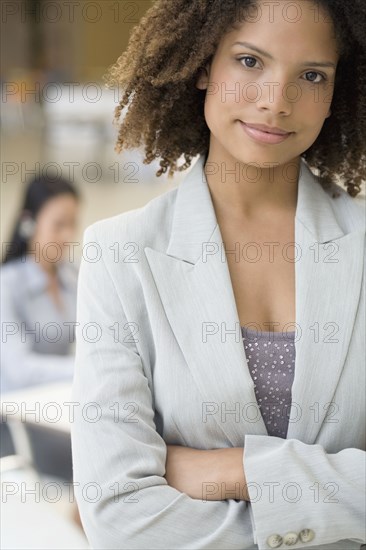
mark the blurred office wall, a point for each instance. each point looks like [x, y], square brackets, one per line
[56, 111]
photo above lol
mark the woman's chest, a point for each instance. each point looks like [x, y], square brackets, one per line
[54, 293]
[262, 272]
[46, 327]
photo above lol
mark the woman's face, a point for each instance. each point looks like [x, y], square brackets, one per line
[55, 225]
[282, 86]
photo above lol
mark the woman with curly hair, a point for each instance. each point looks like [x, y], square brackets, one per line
[205, 432]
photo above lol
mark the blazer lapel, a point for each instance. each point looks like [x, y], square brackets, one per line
[328, 279]
[194, 284]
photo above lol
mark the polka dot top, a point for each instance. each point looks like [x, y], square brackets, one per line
[271, 363]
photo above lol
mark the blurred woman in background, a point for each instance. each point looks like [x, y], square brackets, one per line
[38, 287]
[38, 309]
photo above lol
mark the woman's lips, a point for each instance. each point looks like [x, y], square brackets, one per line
[264, 137]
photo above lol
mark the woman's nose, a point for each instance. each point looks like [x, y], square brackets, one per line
[277, 98]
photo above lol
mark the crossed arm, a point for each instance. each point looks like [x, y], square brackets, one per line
[215, 474]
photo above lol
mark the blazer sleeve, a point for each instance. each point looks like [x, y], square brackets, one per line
[294, 487]
[21, 366]
[118, 456]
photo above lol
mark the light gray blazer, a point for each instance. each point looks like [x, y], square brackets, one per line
[160, 360]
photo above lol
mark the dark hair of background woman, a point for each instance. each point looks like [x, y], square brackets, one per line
[165, 111]
[39, 191]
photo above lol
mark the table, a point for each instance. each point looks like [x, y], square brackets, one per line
[46, 405]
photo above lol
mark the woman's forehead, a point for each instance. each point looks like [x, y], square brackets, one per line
[280, 24]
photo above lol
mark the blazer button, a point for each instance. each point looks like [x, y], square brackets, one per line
[306, 535]
[274, 541]
[290, 538]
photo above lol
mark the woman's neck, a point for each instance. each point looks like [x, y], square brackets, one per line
[246, 192]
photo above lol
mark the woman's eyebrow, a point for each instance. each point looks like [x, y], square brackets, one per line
[266, 54]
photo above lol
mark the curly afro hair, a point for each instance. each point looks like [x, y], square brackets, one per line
[160, 66]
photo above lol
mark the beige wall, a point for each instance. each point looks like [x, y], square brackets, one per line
[81, 38]
[101, 43]
[81, 43]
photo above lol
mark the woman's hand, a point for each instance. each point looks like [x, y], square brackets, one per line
[215, 474]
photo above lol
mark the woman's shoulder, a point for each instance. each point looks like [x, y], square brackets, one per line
[148, 225]
[68, 271]
[11, 271]
[350, 211]
[13, 281]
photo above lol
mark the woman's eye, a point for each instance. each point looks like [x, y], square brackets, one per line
[316, 75]
[251, 59]
[250, 62]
